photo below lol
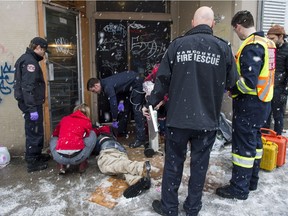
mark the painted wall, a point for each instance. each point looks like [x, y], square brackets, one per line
[18, 27]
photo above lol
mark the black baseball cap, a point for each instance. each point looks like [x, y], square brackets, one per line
[40, 41]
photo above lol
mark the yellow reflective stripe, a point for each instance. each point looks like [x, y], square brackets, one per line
[265, 86]
[256, 38]
[243, 88]
[265, 92]
[259, 153]
[261, 82]
[246, 162]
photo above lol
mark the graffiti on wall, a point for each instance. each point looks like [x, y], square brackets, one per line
[6, 78]
[6, 72]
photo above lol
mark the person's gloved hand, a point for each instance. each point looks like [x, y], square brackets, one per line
[121, 106]
[115, 124]
[283, 98]
[34, 116]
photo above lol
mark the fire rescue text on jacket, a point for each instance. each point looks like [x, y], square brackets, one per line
[197, 56]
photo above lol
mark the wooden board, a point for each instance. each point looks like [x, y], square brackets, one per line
[107, 193]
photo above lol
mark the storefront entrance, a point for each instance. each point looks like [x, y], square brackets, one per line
[123, 45]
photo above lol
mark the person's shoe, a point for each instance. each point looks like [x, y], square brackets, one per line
[156, 204]
[137, 188]
[229, 193]
[253, 187]
[44, 157]
[125, 135]
[147, 169]
[137, 144]
[36, 166]
[83, 166]
[62, 168]
[149, 152]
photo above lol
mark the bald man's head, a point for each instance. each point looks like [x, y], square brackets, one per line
[203, 15]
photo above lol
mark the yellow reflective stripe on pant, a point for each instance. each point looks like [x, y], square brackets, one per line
[259, 153]
[246, 162]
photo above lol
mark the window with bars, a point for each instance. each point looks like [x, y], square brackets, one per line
[273, 12]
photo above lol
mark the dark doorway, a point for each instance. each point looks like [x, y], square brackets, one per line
[128, 45]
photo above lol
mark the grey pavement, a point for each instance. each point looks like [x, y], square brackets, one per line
[47, 193]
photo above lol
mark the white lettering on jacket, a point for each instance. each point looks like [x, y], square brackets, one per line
[198, 56]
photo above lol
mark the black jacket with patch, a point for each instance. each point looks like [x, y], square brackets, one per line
[29, 84]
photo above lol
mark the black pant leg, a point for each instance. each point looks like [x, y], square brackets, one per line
[34, 132]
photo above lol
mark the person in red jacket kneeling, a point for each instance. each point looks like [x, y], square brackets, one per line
[73, 139]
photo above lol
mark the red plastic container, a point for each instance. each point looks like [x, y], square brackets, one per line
[281, 141]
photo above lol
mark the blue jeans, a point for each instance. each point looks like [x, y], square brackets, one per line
[90, 143]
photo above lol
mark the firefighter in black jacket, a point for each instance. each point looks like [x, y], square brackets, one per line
[195, 71]
[29, 91]
[127, 82]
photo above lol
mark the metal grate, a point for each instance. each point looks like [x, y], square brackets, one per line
[273, 12]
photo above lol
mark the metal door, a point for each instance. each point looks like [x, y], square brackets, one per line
[64, 86]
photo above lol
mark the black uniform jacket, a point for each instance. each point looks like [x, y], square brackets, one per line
[195, 71]
[281, 72]
[29, 84]
[115, 84]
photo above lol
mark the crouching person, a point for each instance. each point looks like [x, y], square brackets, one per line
[73, 140]
[113, 160]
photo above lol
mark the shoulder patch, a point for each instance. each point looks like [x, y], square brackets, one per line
[31, 68]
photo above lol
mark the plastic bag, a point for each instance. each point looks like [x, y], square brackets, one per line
[148, 87]
[4, 156]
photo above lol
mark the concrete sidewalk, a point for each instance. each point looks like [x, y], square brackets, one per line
[46, 193]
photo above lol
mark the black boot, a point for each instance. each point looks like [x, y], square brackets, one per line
[138, 188]
[230, 192]
[148, 152]
[36, 165]
[157, 207]
[253, 187]
[44, 157]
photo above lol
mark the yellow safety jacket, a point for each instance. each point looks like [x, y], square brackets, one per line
[265, 85]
